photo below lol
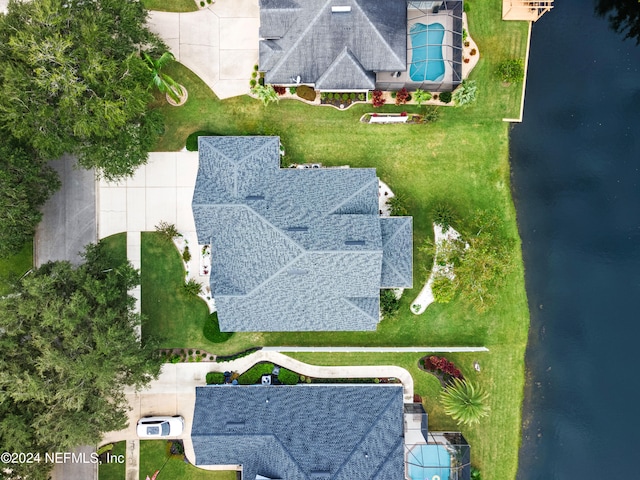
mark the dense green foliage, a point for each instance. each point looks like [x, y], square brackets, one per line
[163, 82]
[212, 331]
[511, 70]
[255, 373]
[420, 96]
[265, 93]
[192, 287]
[465, 401]
[444, 216]
[67, 349]
[389, 304]
[215, 378]
[14, 266]
[443, 288]
[192, 140]
[73, 81]
[306, 92]
[288, 377]
[465, 93]
[445, 97]
[25, 185]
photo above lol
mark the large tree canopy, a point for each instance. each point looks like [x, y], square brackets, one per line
[25, 184]
[73, 81]
[67, 349]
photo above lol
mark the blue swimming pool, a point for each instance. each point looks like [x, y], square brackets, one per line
[427, 63]
[429, 462]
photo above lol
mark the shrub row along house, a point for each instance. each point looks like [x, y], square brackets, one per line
[360, 45]
[291, 249]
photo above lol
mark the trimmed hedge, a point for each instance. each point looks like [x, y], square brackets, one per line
[241, 354]
[215, 378]
[211, 330]
[305, 92]
[288, 377]
[192, 140]
[254, 374]
[445, 97]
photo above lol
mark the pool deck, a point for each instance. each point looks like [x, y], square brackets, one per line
[414, 16]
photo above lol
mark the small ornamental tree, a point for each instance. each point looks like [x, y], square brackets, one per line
[265, 93]
[465, 402]
[163, 82]
[420, 96]
[443, 288]
[465, 93]
[376, 99]
[511, 70]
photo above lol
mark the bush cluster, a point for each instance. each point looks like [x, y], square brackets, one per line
[215, 378]
[279, 89]
[255, 373]
[288, 377]
[445, 97]
[376, 98]
[305, 92]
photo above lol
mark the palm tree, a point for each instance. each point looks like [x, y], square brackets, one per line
[162, 81]
[265, 93]
[465, 402]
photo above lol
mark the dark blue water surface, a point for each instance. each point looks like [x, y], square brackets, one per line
[576, 181]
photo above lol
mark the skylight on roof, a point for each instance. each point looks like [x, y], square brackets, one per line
[341, 9]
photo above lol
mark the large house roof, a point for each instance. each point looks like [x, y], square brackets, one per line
[302, 432]
[332, 49]
[294, 250]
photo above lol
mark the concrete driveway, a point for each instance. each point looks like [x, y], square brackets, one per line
[218, 43]
[69, 216]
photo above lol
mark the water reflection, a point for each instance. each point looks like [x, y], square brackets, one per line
[623, 16]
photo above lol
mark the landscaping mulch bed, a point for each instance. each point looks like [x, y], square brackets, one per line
[185, 355]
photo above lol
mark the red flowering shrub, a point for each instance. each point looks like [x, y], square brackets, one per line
[279, 89]
[441, 365]
[402, 96]
[377, 99]
[403, 114]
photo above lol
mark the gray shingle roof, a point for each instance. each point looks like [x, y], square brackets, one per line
[301, 432]
[305, 38]
[294, 250]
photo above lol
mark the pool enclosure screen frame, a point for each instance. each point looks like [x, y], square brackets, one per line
[455, 465]
[447, 13]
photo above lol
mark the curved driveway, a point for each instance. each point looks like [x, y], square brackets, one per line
[218, 43]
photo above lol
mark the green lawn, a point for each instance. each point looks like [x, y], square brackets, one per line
[462, 160]
[170, 5]
[117, 247]
[13, 267]
[114, 471]
[154, 454]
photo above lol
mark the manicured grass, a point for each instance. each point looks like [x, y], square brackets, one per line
[114, 471]
[177, 318]
[462, 160]
[170, 5]
[13, 267]
[154, 453]
[117, 247]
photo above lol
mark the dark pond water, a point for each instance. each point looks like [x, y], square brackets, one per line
[576, 181]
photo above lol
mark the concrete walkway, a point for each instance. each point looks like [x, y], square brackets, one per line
[173, 393]
[375, 349]
[218, 43]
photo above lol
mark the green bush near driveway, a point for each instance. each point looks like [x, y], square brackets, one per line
[255, 373]
[215, 378]
[288, 377]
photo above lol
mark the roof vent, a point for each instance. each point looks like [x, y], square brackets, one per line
[297, 271]
[354, 242]
[254, 197]
[234, 425]
[297, 229]
[341, 9]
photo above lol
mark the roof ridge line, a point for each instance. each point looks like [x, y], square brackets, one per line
[406, 217]
[366, 434]
[374, 28]
[347, 299]
[390, 265]
[300, 37]
[350, 197]
[345, 52]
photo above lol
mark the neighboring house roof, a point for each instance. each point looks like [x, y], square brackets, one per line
[302, 432]
[332, 49]
[292, 249]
